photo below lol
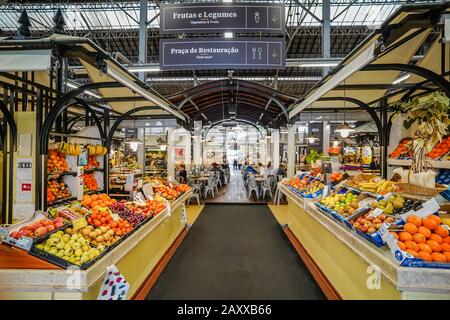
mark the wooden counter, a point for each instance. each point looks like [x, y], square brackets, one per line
[354, 267]
[135, 258]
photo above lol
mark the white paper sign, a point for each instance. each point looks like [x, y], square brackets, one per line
[24, 147]
[429, 207]
[392, 243]
[147, 189]
[183, 214]
[129, 182]
[24, 180]
[375, 213]
[325, 192]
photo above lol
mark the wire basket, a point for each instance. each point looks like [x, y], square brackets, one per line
[420, 191]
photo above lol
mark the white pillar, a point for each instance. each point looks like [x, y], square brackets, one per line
[187, 151]
[171, 153]
[291, 151]
[326, 137]
[141, 148]
[197, 150]
[276, 148]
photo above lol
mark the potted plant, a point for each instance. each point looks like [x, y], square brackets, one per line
[430, 114]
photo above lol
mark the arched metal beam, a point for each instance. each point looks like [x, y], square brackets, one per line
[94, 115]
[435, 78]
[235, 86]
[364, 106]
[236, 120]
[10, 121]
[119, 121]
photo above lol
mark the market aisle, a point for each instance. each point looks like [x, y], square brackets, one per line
[236, 252]
[234, 192]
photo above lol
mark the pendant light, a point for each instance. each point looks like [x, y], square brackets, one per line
[134, 142]
[344, 130]
[311, 138]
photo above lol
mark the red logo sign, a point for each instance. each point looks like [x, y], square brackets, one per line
[26, 187]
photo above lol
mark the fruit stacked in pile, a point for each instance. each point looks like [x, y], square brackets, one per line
[395, 205]
[38, 228]
[343, 204]
[298, 183]
[133, 216]
[182, 188]
[97, 150]
[313, 187]
[369, 224]
[404, 149]
[441, 149]
[338, 176]
[90, 183]
[381, 187]
[100, 236]
[166, 192]
[57, 189]
[103, 218]
[71, 246]
[92, 163]
[425, 238]
[97, 201]
[56, 162]
[70, 149]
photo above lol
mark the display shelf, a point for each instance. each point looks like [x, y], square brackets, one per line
[93, 170]
[93, 192]
[56, 175]
[437, 164]
[318, 232]
[61, 201]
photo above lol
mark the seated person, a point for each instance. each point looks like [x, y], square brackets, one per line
[182, 173]
[250, 169]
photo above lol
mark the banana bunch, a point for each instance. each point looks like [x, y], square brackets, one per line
[369, 186]
[97, 150]
[385, 187]
[70, 149]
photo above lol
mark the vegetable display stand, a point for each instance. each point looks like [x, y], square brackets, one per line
[352, 266]
[135, 257]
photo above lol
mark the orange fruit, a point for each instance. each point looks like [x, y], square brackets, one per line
[410, 227]
[425, 256]
[425, 231]
[425, 247]
[445, 247]
[411, 245]
[394, 234]
[438, 257]
[447, 255]
[436, 238]
[440, 230]
[436, 247]
[403, 236]
[429, 223]
[446, 240]
[412, 252]
[435, 218]
[414, 220]
[419, 238]
[401, 245]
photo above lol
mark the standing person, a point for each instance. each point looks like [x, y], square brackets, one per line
[182, 173]
[235, 164]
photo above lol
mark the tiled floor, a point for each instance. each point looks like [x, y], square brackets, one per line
[234, 192]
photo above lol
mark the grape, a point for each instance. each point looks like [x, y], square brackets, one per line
[126, 214]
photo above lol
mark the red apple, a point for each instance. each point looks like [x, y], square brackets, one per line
[59, 224]
[15, 235]
[364, 229]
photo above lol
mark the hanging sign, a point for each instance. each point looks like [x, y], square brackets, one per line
[221, 17]
[217, 53]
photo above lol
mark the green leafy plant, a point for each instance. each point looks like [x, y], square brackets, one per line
[312, 156]
[430, 112]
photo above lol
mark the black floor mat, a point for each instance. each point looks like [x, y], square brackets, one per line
[236, 252]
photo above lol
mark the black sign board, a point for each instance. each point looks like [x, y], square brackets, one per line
[221, 17]
[218, 53]
[317, 130]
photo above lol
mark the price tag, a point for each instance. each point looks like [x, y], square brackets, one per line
[183, 214]
[115, 216]
[392, 243]
[139, 197]
[79, 223]
[375, 213]
[139, 183]
[325, 192]
[147, 189]
[429, 207]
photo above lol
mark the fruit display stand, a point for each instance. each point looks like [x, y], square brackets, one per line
[135, 257]
[347, 266]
